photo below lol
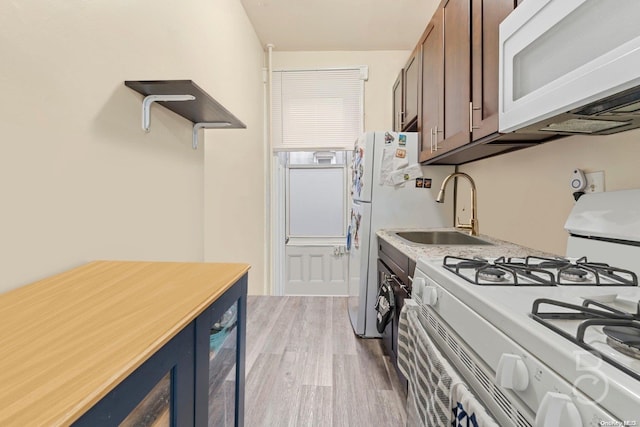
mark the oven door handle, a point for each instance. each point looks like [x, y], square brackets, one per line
[388, 277]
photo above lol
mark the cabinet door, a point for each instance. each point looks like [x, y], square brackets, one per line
[158, 393]
[223, 347]
[487, 16]
[431, 130]
[398, 107]
[411, 85]
[457, 66]
[219, 360]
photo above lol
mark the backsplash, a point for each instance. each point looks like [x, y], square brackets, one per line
[524, 196]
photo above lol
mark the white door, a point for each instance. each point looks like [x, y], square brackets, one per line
[316, 204]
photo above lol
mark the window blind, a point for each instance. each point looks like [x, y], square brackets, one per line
[317, 109]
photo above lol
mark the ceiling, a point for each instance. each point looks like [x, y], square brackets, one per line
[320, 25]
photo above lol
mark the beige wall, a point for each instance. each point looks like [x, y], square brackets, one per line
[384, 67]
[235, 175]
[79, 180]
[524, 196]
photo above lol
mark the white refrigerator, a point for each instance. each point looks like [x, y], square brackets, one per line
[389, 189]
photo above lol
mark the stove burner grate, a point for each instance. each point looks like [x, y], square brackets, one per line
[538, 271]
[623, 327]
[583, 272]
[479, 271]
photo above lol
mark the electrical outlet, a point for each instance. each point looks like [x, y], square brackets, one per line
[595, 182]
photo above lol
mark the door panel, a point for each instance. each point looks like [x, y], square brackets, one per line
[315, 270]
[487, 16]
[432, 88]
[398, 106]
[457, 82]
[411, 87]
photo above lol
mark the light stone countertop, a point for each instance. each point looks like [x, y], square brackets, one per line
[497, 249]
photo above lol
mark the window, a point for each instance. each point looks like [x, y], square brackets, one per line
[316, 194]
[317, 109]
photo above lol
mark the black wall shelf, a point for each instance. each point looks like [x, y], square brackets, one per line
[202, 110]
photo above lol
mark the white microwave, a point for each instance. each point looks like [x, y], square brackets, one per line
[570, 67]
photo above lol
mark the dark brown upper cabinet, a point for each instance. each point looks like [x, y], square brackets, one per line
[458, 105]
[446, 75]
[411, 89]
[486, 19]
[457, 85]
[398, 105]
[431, 123]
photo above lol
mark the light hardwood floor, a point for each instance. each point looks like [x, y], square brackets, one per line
[305, 367]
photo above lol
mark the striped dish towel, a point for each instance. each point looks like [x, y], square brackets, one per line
[437, 396]
[430, 376]
[467, 411]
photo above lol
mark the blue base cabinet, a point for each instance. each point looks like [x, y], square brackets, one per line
[196, 379]
[220, 334]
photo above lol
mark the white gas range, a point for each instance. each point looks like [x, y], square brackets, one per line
[546, 342]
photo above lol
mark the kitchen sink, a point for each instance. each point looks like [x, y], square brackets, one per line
[440, 238]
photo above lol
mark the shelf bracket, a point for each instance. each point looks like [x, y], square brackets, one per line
[206, 125]
[150, 99]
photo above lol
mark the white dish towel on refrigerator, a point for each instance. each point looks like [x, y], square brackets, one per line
[437, 397]
[396, 170]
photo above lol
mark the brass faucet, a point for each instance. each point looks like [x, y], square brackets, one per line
[473, 225]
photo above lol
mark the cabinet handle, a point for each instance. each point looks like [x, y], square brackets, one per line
[435, 140]
[431, 138]
[471, 109]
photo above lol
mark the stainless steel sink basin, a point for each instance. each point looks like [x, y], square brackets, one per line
[440, 238]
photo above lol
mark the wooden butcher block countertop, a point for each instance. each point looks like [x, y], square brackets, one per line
[67, 340]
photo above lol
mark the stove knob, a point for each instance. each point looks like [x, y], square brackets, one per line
[557, 410]
[512, 372]
[430, 295]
